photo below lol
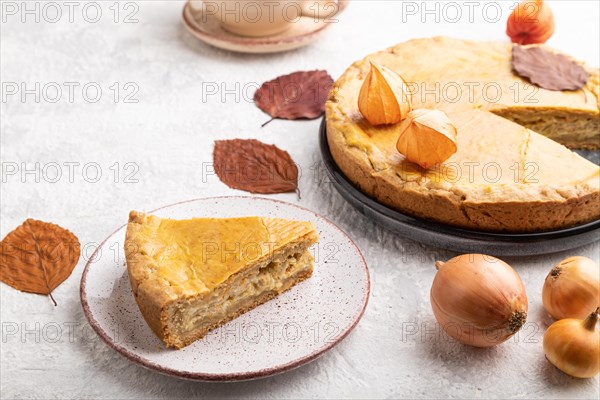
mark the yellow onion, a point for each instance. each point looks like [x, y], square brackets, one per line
[572, 288]
[573, 346]
[478, 299]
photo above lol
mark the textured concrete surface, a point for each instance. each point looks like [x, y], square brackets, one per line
[160, 144]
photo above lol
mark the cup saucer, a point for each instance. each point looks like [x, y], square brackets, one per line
[207, 28]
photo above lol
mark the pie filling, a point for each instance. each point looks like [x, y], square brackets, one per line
[581, 134]
[191, 318]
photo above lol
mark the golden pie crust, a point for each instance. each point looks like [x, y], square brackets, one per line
[504, 176]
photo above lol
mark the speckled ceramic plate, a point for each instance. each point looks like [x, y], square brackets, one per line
[208, 29]
[450, 237]
[291, 330]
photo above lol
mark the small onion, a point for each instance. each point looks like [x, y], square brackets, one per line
[573, 346]
[572, 288]
[478, 300]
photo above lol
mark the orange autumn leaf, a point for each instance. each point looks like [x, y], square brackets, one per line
[384, 97]
[37, 257]
[427, 137]
[531, 22]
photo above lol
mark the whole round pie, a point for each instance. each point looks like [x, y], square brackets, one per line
[504, 177]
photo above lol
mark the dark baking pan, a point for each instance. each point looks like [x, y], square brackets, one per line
[452, 238]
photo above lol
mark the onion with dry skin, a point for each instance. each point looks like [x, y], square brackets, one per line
[572, 288]
[478, 299]
[573, 346]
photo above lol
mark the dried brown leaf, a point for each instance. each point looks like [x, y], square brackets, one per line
[547, 69]
[254, 166]
[301, 94]
[37, 257]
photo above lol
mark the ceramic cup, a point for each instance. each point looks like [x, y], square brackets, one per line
[266, 17]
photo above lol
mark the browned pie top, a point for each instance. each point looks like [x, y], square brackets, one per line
[497, 160]
[458, 75]
[196, 255]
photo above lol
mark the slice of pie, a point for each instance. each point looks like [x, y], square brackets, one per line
[191, 276]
